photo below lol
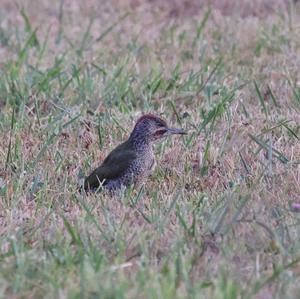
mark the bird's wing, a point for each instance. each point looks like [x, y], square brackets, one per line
[112, 167]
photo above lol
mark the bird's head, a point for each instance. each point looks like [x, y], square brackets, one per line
[151, 127]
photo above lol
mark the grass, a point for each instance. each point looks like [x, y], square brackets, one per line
[215, 218]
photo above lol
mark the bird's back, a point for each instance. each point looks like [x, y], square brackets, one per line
[124, 166]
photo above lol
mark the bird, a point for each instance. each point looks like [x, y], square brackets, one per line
[131, 162]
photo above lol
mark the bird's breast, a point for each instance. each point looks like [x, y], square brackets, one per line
[151, 161]
[144, 166]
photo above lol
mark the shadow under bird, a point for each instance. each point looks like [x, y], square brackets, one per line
[132, 161]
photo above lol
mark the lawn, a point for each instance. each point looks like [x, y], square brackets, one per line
[217, 218]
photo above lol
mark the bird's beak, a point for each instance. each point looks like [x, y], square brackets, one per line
[172, 131]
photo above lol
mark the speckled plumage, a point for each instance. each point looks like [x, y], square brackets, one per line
[132, 161]
[136, 173]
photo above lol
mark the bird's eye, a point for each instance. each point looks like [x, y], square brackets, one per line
[160, 132]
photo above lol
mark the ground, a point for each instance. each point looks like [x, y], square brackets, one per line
[217, 218]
